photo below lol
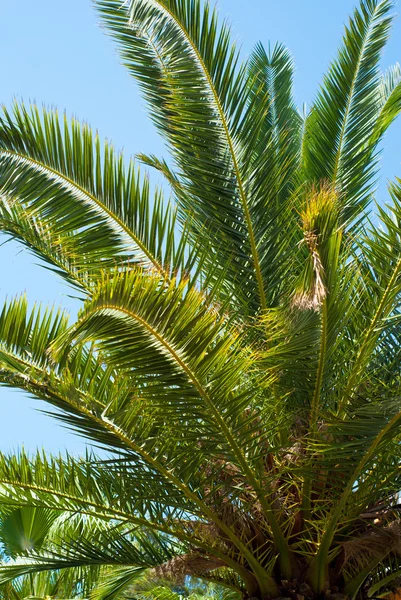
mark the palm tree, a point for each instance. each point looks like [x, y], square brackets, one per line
[237, 351]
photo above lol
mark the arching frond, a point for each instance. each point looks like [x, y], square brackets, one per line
[96, 211]
[390, 105]
[176, 333]
[338, 146]
[187, 68]
[236, 357]
[382, 269]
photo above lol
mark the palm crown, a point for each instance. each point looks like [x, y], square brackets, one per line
[236, 353]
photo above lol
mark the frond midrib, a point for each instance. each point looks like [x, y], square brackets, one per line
[112, 216]
[244, 201]
[104, 511]
[351, 95]
[314, 411]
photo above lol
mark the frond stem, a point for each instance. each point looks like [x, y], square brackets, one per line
[314, 412]
[221, 112]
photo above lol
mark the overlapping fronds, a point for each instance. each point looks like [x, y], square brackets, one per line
[237, 353]
[271, 85]
[380, 264]
[28, 530]
[338, 145]
[179, 350]
[206, 108]
[75, 202]
[93, 521]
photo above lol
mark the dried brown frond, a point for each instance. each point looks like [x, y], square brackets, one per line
[194, 564]
[319, 220]
[377, 543]
[312, 298]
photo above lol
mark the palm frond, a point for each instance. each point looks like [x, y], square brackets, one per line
[115, 582]
[46, 165]
[390, 105]
[200, 101]
[382, 280]
[338, 146]
[177, 334]
[17, 223]
[271, 84]
[25, 529]
[275, 159]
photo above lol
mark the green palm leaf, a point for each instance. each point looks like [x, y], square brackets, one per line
[236, 356]
[186, 66]
[25, 529]
[390, 105]
[338, 144]
[46, 166]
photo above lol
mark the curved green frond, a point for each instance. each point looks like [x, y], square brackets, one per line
[44, 242]
[176, 335]
[98, 211]
[336, 146]
[187, 68]
[90, 415]
[115, 582]
[167, 331]
[271, 86]
[380, 438]
[382, 250]
[275, 159]
[390, 106]
[25, 337]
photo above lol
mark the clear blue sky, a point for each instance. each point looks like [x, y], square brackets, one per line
[54, 52]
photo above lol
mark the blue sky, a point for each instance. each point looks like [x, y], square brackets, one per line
[54, 52]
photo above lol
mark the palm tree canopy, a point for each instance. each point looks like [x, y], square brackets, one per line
[236, 356]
